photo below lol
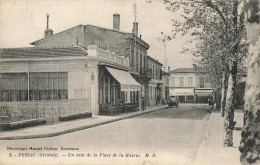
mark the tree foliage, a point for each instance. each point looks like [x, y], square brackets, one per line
[219, 28]
[212, 24]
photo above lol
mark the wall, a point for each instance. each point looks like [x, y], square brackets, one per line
[49, 109]
[207, 84]
[77, 82]
[66, 38]
[78, 76]
[165, 80]
[152, 94]
[154, 66]
[104, 38]
[185, 75]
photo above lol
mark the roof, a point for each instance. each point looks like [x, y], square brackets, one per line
[187, 70]
[165, 73]
[152, 59]
[183, 70]
[131, 34]
[34, 42]
[34, 52]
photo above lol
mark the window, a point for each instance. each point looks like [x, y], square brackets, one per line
[101, 100]
[42, 86]
[14, 87]
[153, 71]
[141, 59]
[48, 86]
[106, 89]
[202, 82]
[181, 81]
[112, 86]
[190, 81]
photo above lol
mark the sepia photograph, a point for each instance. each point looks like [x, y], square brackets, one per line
[129, 82]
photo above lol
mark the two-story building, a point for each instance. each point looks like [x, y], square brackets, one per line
[190, 85]
[128, 45]
[155, 85]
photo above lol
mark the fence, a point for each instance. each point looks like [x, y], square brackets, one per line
[51, 110]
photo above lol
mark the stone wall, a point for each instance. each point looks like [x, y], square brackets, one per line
[50, 110]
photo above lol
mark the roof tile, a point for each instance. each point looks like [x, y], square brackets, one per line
[36, 52]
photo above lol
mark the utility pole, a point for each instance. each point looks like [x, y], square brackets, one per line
[135, 16]
[163, 38]
[165, 56]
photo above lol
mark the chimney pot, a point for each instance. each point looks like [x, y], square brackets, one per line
[135, 28]
[47, 22]
[48, 32]
[116, 22]
[194, 66]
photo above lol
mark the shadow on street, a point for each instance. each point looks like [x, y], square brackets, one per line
[193, 112]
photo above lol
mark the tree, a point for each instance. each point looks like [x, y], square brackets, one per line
[250, 141]
[220, 28]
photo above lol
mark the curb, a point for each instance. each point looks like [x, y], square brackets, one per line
[75, 129]
[205, 136]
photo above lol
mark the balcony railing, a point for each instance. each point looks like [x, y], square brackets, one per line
[94, 50]
[141, 70]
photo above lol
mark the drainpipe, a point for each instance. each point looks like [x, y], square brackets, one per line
[28, 82]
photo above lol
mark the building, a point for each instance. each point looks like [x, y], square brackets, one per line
[84, 68]
[128, 45]
[88, 76]
[190, 85]
[165, 90]
[155, 85]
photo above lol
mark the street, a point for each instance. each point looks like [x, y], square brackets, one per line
[171, 134]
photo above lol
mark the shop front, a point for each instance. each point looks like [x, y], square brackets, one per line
[202, 95]
[118, 91]
[184, 95]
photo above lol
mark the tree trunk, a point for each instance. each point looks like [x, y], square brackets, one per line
[223, 93]
[229, 112]
[250, 141]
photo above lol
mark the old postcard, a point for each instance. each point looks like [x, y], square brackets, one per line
[115, 82]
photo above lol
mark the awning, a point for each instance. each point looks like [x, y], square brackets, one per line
[204, 92]
[126, 81]
[181, 92]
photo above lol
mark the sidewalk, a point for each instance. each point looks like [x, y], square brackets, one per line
[211, 150]
[69, 126]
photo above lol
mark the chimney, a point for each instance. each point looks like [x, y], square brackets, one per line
[194, 66]
[48, 32]
[135, 28]
[116, 22]
[140, 36]
[169, 68]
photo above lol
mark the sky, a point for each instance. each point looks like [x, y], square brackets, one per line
[24, 21]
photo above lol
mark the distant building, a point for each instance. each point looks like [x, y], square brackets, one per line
[190, 85]
[165, 89]
[155, 85]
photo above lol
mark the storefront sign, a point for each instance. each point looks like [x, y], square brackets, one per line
[127, 87]
[204, 91]
[181, 92]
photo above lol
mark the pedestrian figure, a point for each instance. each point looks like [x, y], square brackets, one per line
[211, 103]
